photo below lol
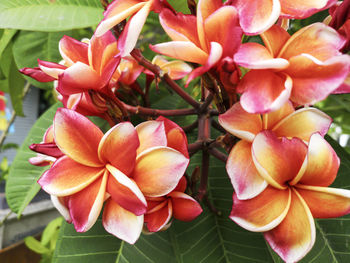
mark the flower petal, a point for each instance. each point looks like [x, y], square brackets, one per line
[255, 56]
[157, 220]
[85, 206]
[244, 177]
[303, 123]
[314, 80]
[257, 16]
[278, 160]
[264, 91]
[182, 50]
[37, 74]
[123, 140]
[151, 134]
[128, 38]
[67, 177]
[274, 39]
[77, 137]
[125, 192]
[176, 69]
[185, 208]
[322, 163]
[50, 68]
[61, 204]
[263, 212]
[73, 51]
[241, 123]
[335, 202]
[323, 42]
[121, 223]
[302, 9]
[214, 57]
[176, 137]
[116, 12]
[272, 118]
[158, 170]
[294, 237]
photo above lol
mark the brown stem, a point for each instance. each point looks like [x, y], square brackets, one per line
[204, 174]
[219, 155]
[157, 112]
[192, 6]
[195, 147]
[204, 106]
[165, 77]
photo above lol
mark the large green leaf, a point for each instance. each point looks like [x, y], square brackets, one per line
[21, 185]
[49, 15]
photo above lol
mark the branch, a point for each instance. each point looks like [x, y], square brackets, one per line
[157, 112]
[219, 155]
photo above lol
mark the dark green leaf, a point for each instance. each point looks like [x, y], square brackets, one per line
[16, 87]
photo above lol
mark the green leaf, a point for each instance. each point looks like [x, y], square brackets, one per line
[16, 87]
[30, 46]
[35, 245]
[6, 38]
[50, 230]
[21, 186]
[49, 15]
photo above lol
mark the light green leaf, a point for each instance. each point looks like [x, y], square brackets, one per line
[35, 245]
[50, 230]
[49, 15]
[6, 38]
[16, 87]
[21, 186]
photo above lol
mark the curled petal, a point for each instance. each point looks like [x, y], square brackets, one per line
[61, 204]
[151, 134]
[322, 163]
[37, 74]
[314, 80]
[77, 137]
[278, 160]
[123, 140]
[158, 170]
[244, 177]
[157, 220]
[67, 177]
[85, 206]
[176, 69]
[241, 123]
[73, 51]
[263, 212]
[303, 9]
[182, 50]
[255, 56]
[303, 123]
[257, 16]
[264, 91]
[125, 192]
[185, 208]
[334, 202]
[121, 223]
[294, 237]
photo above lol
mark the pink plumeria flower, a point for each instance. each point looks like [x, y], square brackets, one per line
[91, 172]
[176, 204]
[120, 10]
[211, 36]
[257, 16]
[286, 68]
[280, 171]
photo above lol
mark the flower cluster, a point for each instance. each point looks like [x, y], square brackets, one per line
[280, 168]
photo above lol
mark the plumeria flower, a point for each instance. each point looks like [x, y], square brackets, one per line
[86, 65]
[280, 171]
[284, 123]
[176, 204]
[176, 69]
[120, 10]
[257, 16]
[285, 68]
[206, 39]
[122, 167]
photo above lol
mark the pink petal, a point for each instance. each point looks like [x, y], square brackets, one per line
[51, 69]
[255, 56]
[257, 16]
[157, 220]
[121, 223]
[294, 237]
[158, 170]
[263, 212]
[244, 177]
[73, 51]
[123, 140]
[278, 160]
[67, 177]
[240, 123]
[77, 137]
[264, 91]
[125, 192]
[185, 208]
[61, 204]
[151, 134]
[37, 74]
[85, 206]
[303, 123]
[303, 9]
[272, 118]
